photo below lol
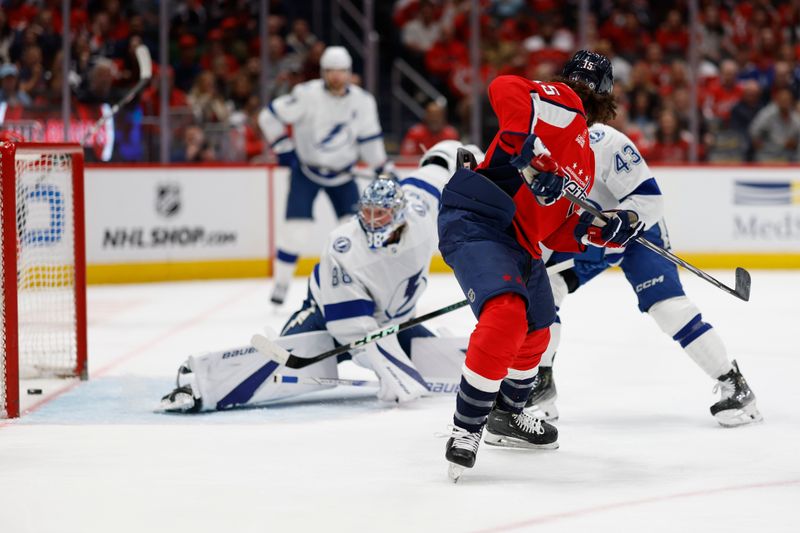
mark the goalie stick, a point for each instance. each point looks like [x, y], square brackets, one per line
[145, 73]
[283, 357]
[742, 287]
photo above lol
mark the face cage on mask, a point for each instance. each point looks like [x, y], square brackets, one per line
[377, 236]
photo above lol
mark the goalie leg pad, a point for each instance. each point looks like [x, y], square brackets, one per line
[400, 381]
[243, 376]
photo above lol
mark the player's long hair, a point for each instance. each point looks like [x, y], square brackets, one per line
[599, 107]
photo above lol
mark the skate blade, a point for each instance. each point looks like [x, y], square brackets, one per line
[510, 442]
[454, 472]
[543, 411]
[732, 418]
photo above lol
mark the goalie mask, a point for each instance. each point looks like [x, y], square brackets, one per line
[381, 210]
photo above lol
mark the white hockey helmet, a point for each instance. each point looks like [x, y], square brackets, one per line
[336, 58]
[381, 210]
[444, 154]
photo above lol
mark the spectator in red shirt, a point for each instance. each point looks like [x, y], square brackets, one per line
[671, 145]
[672, 35]
[723, 93]
[431, 130]
[445, 53]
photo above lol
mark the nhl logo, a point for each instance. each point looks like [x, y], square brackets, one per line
[168, 199]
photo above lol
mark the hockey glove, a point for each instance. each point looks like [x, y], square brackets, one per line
[622, 226]
[540, 171]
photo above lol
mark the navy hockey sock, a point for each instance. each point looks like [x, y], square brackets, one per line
[514, 393]
[472, 407]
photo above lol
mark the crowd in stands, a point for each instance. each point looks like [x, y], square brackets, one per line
[748, 80]
[748, 76]
[214, 71]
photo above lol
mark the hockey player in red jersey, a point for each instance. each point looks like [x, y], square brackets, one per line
[490, 225]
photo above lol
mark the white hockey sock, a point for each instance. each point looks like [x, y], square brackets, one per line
[681, 319]
[709, 353]
[291, 234]
[284, 267]
[555, 339]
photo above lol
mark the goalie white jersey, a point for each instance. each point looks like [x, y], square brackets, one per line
[330, 133]
[622, 178]
[360, 289]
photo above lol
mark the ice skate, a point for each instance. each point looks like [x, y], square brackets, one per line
[542, 401]
[520, 431]
[461, 451]
[737, 405]
[279, 293]
[180, 400]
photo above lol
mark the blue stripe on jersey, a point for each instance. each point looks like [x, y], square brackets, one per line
[411, 371]
[349, 309]
[424, 185]
[245, 390]
[562, 106]
[286, 257]
[279, 139]
[646, 188]
[316, 274]
[272, 110]
[362, 140]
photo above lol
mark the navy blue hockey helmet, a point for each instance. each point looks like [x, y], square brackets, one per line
[591, 68]
[381, 210]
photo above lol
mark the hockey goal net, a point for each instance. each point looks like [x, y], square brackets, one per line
[43, 266]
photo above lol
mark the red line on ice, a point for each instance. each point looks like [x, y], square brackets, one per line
[632, 503]
[135, 352]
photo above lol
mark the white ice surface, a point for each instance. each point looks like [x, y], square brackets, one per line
[639, 450]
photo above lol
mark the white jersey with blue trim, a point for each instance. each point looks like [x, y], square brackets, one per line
[359, 289]
[622, 178]
[329, 133]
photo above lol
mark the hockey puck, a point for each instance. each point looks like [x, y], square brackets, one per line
[34, 391]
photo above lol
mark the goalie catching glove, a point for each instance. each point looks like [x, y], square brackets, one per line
[621, 227]
[540, 171]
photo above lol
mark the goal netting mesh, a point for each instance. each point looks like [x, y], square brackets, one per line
[45, 265]
[47, 325]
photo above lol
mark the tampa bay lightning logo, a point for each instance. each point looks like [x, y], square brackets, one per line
[420, 207]
[596, 136]
[338, 136]
[342, 244]
[405, 296]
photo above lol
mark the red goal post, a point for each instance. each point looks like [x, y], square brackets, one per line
[43, 266]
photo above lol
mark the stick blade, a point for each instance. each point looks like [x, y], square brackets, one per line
[269, 349]
[145, 63]
[743, 284]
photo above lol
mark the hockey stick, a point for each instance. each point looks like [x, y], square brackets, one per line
[283, 357]
[145, 73]
[742, 289]
[441, 387]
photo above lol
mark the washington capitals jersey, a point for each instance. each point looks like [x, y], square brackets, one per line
[622, 178]
[330, 133]
[359, 289]
[555, 113]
